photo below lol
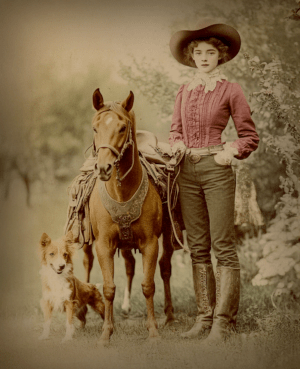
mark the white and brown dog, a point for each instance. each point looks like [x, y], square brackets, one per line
[61, 289]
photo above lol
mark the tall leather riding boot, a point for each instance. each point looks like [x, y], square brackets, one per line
[227, 304]
[205, 291]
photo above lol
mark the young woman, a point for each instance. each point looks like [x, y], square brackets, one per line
[207, 186]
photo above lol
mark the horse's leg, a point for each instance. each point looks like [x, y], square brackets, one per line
[149, 256]
[130, 268]
[88, 260]
[166, 271]
[106, 260]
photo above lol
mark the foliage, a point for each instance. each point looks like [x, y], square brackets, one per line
[55, 127]
[153, 83]
[277, 102]
[280, 264]
[295, 12]
[158, 87]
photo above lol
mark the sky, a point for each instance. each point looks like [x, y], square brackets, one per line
[84, 32]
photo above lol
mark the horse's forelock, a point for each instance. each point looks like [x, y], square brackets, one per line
[117, 108]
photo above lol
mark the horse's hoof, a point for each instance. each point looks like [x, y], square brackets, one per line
[154, 340]
[170, 321]
[64, 340]
[125, 314]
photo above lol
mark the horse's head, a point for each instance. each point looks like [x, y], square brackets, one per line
[112, 125]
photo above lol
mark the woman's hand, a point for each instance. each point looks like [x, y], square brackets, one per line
[178, 146]
[225, 156]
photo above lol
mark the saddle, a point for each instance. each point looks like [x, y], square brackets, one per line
[156, 158]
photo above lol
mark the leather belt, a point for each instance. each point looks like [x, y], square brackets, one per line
[194, 154]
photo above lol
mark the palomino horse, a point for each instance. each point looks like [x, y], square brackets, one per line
[121, 178]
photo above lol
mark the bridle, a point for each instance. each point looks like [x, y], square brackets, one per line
[128, 142]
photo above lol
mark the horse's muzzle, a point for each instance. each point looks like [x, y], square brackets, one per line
[103, 171]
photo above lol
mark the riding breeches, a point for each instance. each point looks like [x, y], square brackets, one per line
[207, 193]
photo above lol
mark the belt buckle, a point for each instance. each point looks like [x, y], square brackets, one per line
[194, 158]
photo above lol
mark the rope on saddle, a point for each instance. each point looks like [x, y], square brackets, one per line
[78, 215]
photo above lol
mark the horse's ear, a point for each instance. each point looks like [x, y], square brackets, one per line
[98, 101]
[127, 104]
[45, 240]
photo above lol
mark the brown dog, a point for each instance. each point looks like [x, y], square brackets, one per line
[61, 289]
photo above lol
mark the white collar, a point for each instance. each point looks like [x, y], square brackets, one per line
[209, 80]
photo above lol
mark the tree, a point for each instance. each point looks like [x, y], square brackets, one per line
[54, 129]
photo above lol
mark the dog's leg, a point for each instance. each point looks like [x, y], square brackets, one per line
[70, 327]
[81, 313]
[47, 311]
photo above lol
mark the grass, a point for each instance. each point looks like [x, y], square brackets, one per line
[265, 338]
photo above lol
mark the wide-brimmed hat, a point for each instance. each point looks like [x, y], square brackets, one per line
[206, 28]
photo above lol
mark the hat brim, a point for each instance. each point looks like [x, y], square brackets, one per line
[227, 34]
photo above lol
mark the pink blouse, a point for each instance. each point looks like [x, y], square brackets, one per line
[199, 118]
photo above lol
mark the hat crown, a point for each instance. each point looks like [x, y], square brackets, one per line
[206, 22]
[205, 28]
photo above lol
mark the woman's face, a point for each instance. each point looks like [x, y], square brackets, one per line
[206, 57]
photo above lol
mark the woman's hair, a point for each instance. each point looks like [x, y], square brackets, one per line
[218, 44]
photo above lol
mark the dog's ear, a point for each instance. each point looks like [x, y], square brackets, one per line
[45, 240]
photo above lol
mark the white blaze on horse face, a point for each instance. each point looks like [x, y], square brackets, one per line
[108, 120]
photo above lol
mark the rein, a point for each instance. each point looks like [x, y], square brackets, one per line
[170, 168]
[128, 142]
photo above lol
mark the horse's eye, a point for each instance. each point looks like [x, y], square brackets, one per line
[52, 254]
[65, 254]
[123, 129]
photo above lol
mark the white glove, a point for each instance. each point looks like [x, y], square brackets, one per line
[225, 156]
[178, 146]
